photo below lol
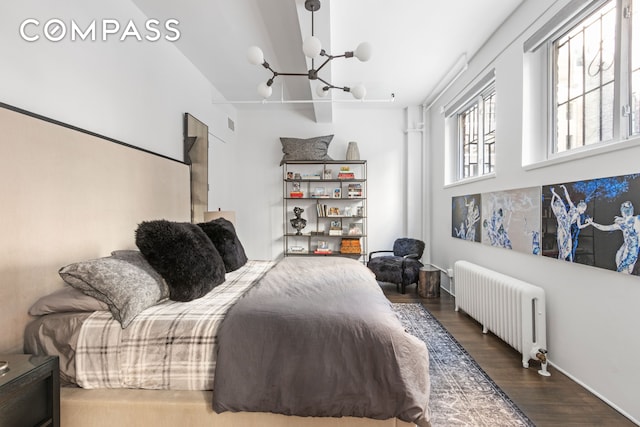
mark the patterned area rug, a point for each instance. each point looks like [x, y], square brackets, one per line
[462, 394]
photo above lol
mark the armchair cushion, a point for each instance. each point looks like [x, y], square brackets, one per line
[406, 246]
[389, 269]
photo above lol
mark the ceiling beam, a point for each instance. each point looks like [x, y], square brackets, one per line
[323, 111]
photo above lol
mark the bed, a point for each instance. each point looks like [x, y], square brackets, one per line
[265, 302]
[325, 344]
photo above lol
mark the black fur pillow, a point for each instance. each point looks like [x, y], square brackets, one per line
[183, 255]
[223, 235]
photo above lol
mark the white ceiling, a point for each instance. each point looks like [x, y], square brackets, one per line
[415, 42]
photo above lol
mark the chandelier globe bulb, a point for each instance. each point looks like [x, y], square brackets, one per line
[358, 91]
[363, 51]
[321, 92]
[255, 55]
[264, 90]
[312, 47]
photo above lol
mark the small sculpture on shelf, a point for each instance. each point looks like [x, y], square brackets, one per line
[298, 222]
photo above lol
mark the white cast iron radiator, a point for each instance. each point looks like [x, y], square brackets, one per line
[510, 308]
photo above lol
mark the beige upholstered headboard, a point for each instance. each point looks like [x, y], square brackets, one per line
[68, 195]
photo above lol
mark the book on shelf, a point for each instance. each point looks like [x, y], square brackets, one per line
[323, 251]
[354, 190]
[346, 175]
[321, 210]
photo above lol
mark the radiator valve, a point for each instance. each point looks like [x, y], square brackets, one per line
[541, 355]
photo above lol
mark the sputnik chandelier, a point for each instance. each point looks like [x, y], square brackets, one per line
[312, 48]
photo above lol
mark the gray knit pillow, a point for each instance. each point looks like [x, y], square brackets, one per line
[305, 149]
[136, 258]
[124, 287]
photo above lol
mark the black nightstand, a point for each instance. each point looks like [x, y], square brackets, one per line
[30, 391]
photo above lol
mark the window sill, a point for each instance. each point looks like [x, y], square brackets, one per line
[470, 180]
[591, 151]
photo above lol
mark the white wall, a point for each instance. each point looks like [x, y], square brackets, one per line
[137, 92]
[133, 91]
[256, 177]
[592, 313]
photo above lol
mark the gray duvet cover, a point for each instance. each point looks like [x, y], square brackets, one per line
[317, 337]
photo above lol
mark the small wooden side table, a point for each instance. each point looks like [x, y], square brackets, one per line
[429, 282]
[29, 391]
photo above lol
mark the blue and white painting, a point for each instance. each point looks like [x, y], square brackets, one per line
[465, 217]
[593, 222]
[511, 219]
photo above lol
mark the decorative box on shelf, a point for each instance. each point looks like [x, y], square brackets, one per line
[350, 246]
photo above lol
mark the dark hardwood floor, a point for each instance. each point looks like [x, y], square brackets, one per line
[547, 401]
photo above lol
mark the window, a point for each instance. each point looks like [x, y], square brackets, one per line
[635, 67]
[476, 135]
[595, 69]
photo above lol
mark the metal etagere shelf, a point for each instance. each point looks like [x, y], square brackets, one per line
[333, 196]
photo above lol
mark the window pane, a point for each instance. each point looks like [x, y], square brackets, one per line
[562, 73]
[592, 37]
[584, 81]
[476, 133]
[608, 45]
[576, 137]
[592, 117]
[489, 153]
[473, 153]
[488, 139]
[469, 131]
[562, 134]
[607, 112]
[576, 61]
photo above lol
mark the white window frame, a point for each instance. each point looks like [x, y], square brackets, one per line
[539, 74]
[476, 94]
[478, 103]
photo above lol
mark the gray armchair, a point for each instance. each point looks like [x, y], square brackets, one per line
[402, 267]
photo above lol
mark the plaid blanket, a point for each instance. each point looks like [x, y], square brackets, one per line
[172, 345]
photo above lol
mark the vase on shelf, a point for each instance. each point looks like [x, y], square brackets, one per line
[353, 153]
